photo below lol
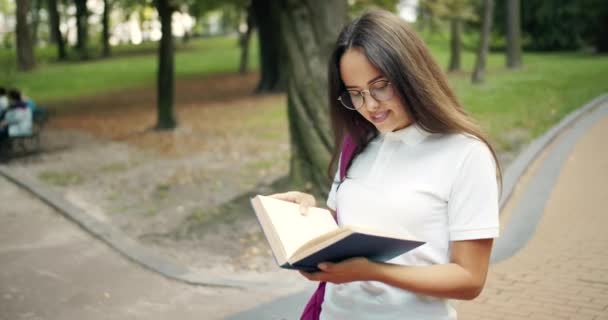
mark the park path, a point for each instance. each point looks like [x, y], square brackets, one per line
[562, 272]
[51, 269]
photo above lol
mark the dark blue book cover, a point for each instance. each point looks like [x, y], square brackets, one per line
[373, 247]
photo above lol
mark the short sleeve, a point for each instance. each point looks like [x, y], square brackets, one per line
[473, 203]
[331, 198]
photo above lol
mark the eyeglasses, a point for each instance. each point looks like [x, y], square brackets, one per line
[381, 90]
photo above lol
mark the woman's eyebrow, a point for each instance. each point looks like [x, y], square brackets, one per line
[368, 82]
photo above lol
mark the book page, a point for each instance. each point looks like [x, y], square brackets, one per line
[293, 228]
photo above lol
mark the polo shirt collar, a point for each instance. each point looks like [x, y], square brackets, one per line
[410, 135]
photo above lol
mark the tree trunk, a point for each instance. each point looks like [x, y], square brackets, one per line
[482, 53]
[165, 77]
[309, 29]
[25, 49]
[105, 35]
[82, 15]
[36, 21]
[244, 41]
[186, 37]
[273, 58]
[601, 39]
[55, 31]
[455, 44]
[513, 34]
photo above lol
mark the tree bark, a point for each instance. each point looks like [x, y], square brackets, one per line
[55, 31]
[273, 58]
[309, 29]
[36, 21]
[482, 53]
[513, 34]
[166, 69]
[601, 39]
[455, 44]
[244, 41]
[25, 49]
[105, 33]
[82, 17]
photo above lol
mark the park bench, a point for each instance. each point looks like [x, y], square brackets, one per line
[27, 143]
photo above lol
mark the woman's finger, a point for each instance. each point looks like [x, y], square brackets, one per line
[303, 199]
[306, 202]
[286, 196]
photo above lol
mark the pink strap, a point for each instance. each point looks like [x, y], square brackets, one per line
[348, 149]
[312, 311]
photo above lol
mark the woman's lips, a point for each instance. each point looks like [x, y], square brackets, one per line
[379, 117]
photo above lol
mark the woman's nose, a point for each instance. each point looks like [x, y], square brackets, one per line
[370, 103]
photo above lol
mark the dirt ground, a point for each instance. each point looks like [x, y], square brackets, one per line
[182, 193]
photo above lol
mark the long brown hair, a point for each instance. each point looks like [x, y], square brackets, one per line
[394, 48]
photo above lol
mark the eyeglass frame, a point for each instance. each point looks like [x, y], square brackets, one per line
[388, 83]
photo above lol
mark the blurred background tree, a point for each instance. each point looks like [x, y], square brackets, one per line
[82, 28]
[105, 34]
[558, 25]
[273, 56]
[482, 51]
[457, 12]
[55, 36]
[25, 46]
[166, 67]
[513, 34]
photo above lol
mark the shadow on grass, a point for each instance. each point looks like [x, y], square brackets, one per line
[235, 212]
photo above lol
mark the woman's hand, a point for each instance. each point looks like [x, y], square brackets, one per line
[305, 200]
[354, 269]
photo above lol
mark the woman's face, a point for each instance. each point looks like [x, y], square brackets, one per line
[359, 74]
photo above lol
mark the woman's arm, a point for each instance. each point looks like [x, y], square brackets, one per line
[463, 278]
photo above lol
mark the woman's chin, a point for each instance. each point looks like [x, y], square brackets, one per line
[385, 126]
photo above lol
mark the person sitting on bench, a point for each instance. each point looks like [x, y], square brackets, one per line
[17, 120]
[3, 102]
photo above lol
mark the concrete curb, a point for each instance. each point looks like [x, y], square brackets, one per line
[138, 254]
[519, 166]
[126, 246]
[530, 208]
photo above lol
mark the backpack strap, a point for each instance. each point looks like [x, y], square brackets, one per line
[312, 311]
[348, 150]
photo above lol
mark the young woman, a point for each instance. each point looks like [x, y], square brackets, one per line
[422, 167]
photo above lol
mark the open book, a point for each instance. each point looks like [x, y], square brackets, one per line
[303, 241]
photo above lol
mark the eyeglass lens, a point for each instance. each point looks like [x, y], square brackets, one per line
[354, 99]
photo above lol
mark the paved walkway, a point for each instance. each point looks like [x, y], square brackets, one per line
[562, 272]
[50, 269]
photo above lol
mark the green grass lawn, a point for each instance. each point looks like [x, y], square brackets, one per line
[548, 87]
[131, 66]
[533, 98]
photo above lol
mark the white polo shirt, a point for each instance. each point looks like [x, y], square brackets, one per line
[439, 188]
